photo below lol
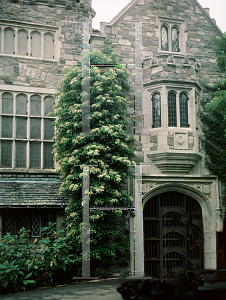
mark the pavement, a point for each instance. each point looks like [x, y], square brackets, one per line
[104, 289]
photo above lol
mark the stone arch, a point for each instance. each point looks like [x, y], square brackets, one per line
[208, 216]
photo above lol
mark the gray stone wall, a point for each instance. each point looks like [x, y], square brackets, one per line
[58, 18]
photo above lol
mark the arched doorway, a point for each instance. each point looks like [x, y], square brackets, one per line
[173, 235]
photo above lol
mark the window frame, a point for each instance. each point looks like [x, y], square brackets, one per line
[29, 28]
[15, 139]
[153, 108]
[171, 122]
[28, 213]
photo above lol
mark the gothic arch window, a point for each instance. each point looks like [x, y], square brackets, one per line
[164, 38]
[172, 113]
[175, 39]
[48, 105]
[183, 110]
[48, 45]
[9, 41]
[156, 110]
[21, 104]
[7, 103]
[35, 44]
[22, 42]
[35, 108]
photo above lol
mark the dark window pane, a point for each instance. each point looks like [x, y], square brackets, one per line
[156, 110]
[21, 154]
[22, 42]
[164, 38]
[21, 128]
[23, 222]
[36, 105]
[172, 116]
[48, 129]
[183, 110]
[175, 40]
[9, 41]
[21, 104]
[49, 102]
[7, 127]
[36, 225]
[48, 45]
[35, 155]
[48, 156]
[7, 103]
[35, 128]
[49, 218]
[6, 154]
[36, 44]
[9, 224]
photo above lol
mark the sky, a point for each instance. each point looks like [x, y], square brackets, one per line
[106, 10]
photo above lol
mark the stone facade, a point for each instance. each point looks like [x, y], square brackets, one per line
[38, 40]
[172, 153]
[173, 40]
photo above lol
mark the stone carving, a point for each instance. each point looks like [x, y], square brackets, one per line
[181, 141]
[204, 188]
[147, 186]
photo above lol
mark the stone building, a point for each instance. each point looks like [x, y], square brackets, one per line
[182, 201]
[37, 40]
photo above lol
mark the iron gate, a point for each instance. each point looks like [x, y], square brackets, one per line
[173, 235]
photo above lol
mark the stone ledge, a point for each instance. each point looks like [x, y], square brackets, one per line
[168, 162]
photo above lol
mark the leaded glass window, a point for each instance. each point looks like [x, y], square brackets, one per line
[183, 110]
[9, 224]
[49, 103]
[172, 115]
[35, 105]
[48, 129]
[23, 222]
[35, 128]
[7, 127]
[22, 42]
[35, 44]
[48, 45]
[7, 103]
[48, 156]
[6, 154]
[29, 123]
[35, 155]
[36, 225]
[9, 41]
[21, 104]
[21, 154]
[175, 40]
[21, 128]
[156, 110]
[164, 38]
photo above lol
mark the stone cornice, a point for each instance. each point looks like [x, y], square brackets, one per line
[167, 81]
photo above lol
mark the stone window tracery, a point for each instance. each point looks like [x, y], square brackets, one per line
[26, 131]
[183, 110]
[27, 42]
[172, 111]
[164, 38]
[175, 39]
[156, 110]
